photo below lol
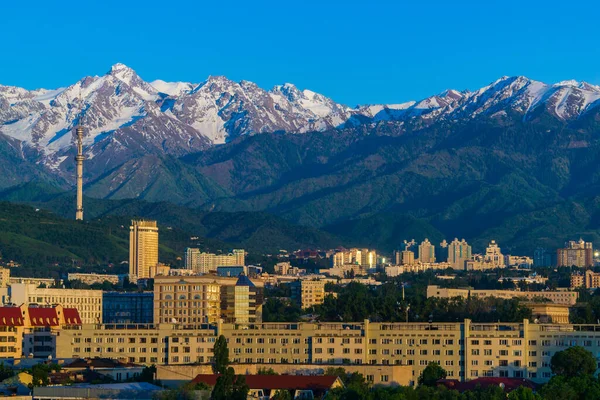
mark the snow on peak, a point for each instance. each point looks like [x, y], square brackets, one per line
[172, 88]
[569, 82]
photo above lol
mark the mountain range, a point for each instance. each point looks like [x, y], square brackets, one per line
[516, 160]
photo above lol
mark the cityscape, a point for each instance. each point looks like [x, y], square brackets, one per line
[416, 216]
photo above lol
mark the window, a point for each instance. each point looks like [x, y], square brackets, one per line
[449, 352]
[475, 352]
[475, 342]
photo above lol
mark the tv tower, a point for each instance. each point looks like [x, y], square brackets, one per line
[79, 158]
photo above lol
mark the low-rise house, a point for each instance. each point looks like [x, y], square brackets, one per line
[269, 385]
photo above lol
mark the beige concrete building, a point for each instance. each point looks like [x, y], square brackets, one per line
[494, 256]
[143, 248]
[90, 279]
[192, 300]
[4, 277]
[426, 252]
[407, 257]
[35, 281]
[341, 271]
[87, 302]
[466, 350]
[579, 254]
[459, 252]
[203, 263]
[308, 293]
[589, 280]
[557, 297]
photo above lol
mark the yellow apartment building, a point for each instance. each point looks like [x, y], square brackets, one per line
[558, 297]
[466, 350]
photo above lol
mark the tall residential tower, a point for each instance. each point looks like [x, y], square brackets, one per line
[143, 248]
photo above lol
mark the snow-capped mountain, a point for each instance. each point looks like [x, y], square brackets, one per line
[125, 116]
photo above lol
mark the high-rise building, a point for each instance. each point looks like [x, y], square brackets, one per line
[543, 258]
[368, 258]
[193, 300]
[458, 253]
[143, 249]
[579, 254]
[308, 293]
[494, 256]
[407, 257]
[238, 302]
[426, 252]
[203, 263]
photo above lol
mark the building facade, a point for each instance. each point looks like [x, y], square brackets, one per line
[127, 307]
[426, 252]
[202, 299]
[203, 263]
[589, 279]
[557, 297]
[494, 256]
[579, 254]
[458, 253]
[308, 293]
[88, 302]
[143, 249]
[90, 279]
[466, 350]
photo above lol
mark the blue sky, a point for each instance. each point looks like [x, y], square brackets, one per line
[354, 52]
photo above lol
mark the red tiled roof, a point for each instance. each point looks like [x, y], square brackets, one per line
[43, 316]
[11, 316]
[507, 384]
[289, 382]
[71, 316]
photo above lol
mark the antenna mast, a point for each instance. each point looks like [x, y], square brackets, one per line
[79, 158]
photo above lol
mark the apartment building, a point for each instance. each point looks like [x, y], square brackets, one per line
[87, 302]
[90, 279]
[459, 252]
[32, 331]
[589, 280]
[558, 297]
[466, 350]
[4, 277]
[579, 254]
[203, 263]
[426, 252]
[206, 299]
[143, 249]
[308, 293]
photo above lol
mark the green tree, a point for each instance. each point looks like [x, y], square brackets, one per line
[221, 355]
[523, 393]
[574, 361]
[265, 371]
[558, 389]
[431, 374]
[282, 395]
[230, 387]
[5, 372]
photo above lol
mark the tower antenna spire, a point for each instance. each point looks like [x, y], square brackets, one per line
[79, 159]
